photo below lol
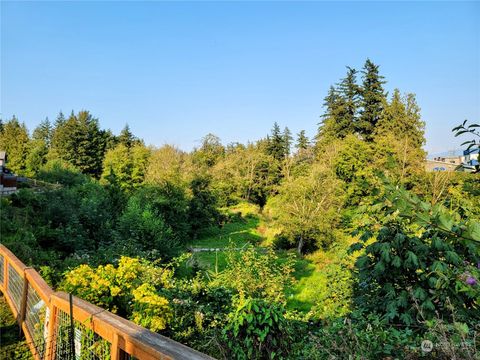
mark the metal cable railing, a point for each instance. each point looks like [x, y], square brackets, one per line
[2, 271]
[15, 287]
[58, 326]
[36, 317]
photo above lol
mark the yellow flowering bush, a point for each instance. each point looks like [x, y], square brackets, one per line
[129, 289]
[150, 309]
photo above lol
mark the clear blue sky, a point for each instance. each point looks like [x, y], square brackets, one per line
[177, 71]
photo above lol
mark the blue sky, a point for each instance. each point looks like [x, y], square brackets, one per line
[175, 71]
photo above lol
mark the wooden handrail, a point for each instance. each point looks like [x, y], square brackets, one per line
[122, 334]
[40, 285]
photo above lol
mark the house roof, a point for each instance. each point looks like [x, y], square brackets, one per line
[471, 151]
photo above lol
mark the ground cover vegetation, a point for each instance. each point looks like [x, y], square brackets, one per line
[340, 246]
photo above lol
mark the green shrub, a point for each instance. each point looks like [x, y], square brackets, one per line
[421, 258]
[257, 330]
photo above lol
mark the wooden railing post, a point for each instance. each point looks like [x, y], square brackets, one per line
[115, 350]
[23, 301]
[51, 338]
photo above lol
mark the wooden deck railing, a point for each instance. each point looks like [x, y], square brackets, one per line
[44, 316]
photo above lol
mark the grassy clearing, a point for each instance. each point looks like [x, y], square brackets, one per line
[239, 233]
[252, 227]
[241, 230]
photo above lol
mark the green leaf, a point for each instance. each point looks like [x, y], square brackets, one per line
[473, 231]
[445, 221]
[453, 258]
[462, 328]
[428, 305]
[397, 262]
[420, 293]
[461, 132]
[412, 260]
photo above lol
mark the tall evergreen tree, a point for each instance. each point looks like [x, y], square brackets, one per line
[302, 141]
[329, 127]
[287, 141]
[127, 138]
[43, 132]
[350, 93]
[276, 145]
[341, 108]
[399, 138]
[40, 143]
[372, 101]
[15, 141]
[401, 117]
[80, 142]
[60, 120]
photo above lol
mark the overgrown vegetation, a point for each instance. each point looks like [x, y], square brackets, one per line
[340, 247]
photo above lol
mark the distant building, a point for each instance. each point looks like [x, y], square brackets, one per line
[439, 165]
[8, 181]
[471, 157]
[462, 163]
[456, 160]
[3, 159]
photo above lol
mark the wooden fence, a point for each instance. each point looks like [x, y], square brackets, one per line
[93, 333]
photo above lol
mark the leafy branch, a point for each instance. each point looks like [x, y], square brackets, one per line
[473, 129]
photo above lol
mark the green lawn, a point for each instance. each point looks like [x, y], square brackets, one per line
[249, 228]
[239, 232]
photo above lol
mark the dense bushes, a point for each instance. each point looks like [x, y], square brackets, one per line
[257, 329]
[420, 261]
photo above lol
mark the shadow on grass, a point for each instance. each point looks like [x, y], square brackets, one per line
[304, 273]
[239, 231]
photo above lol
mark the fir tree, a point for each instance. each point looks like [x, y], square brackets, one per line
[341, 108]
[287, 141]
[80, 142]
[302, 141]
[37, 155]
[126, 137]
[350, 93]
[331, 127]
[401, 117]
[43, 132]
[276, 146]
[372, 101]
[15, 141]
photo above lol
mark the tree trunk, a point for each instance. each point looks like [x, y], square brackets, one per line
[300, 246]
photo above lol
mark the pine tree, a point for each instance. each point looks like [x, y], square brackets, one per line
[15, 141]
[341, 108]
[401, 117]
[302, 141]
[80, 142]
[276, 146]
[37, 155]
[372, 101]
[350, 93]
[60, 120]
[43, 132]
[399, 138]
[287, 141]
[330, 127]
[126, 137]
